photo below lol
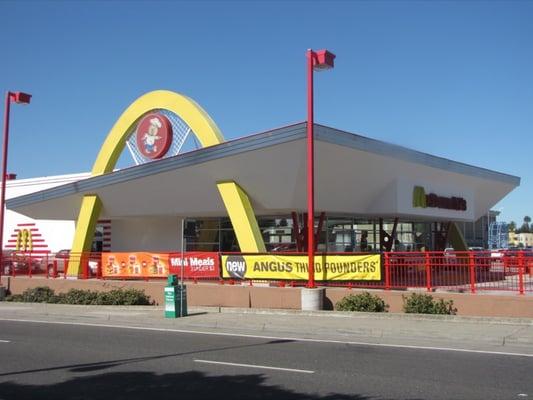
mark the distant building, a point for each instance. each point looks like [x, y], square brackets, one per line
[520, 239]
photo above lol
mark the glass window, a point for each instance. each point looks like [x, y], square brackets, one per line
[277, 233]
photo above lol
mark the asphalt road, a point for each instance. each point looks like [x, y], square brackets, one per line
[52, 361]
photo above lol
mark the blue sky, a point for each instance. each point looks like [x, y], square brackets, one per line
[454, 79]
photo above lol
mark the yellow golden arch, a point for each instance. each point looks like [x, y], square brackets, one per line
[234, 197]
[24, 240]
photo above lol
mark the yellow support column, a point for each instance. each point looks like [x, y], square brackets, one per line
[242, 217]
[83, 237]
[456, 239]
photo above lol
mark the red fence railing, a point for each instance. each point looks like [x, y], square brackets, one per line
[50, 265]
[472, 271]
[463, 271]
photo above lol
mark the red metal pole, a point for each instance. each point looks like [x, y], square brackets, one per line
[387, 272]
[85, 264]
[4, 172]
[471, 265]
[310, 173]
[428, 272]
[521, 271]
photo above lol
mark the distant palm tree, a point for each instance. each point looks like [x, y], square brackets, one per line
[512, 226]
[525, 225]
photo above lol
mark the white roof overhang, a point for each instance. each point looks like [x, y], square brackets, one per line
[353, 175]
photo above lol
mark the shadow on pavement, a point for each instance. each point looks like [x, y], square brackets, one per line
[147, 385]
[95, 366]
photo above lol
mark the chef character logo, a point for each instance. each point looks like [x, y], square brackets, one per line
[236, 266]
[150, 138]
[154, 135]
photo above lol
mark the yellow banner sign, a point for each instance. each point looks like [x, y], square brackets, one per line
[327, 268]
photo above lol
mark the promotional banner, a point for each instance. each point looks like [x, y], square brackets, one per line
[197, 264]
[136, 264]
[327, 267]
[160, 265]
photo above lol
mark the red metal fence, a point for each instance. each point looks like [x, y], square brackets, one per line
[471, 271]
[50, 265]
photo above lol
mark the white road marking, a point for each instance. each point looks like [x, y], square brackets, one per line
[5, 341]
[295, 339]
[302, 371]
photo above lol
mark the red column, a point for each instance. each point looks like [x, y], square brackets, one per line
[310, 173]
[4, 172]
[387, 271]
[471, 266]
[428, 272]
[521, 271]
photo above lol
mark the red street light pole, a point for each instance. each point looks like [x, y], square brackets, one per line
[19, 98]
[319, 61]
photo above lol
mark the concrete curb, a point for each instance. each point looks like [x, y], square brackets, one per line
[269, 311]
[398, 329]
[366, 315]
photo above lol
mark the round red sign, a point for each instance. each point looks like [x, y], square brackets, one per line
[154, 135]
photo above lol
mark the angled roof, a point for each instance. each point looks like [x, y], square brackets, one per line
[353, 174]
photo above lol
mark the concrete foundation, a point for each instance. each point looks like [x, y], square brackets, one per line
[245, 296]
[312, 299]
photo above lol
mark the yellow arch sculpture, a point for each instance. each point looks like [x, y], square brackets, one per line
[235, 199]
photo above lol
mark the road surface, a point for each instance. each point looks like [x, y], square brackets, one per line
[73, 361]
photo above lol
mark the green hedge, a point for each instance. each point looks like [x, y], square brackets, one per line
[365, 302]
[44, 294]
[424, 304]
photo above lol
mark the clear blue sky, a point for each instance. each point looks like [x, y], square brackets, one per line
[454, 79]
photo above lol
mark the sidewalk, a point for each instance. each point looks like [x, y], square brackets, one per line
[472, 333]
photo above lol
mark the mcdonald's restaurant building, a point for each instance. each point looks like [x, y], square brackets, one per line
[249, 194]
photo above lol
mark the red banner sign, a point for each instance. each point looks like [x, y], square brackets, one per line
[197, 264]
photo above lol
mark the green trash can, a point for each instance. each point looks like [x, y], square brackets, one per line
[175, 298]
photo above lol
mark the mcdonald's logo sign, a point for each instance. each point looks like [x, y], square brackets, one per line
[419, 197]
[24, 240]
[423, 200]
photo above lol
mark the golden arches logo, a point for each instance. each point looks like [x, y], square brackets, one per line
[234, 197]
[419, 197]
[24, 240]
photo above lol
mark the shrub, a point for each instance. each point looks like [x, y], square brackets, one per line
[127, 297]
[424, 304]
[362, 302]
[40, 294]
[79, 296]
[14, 297]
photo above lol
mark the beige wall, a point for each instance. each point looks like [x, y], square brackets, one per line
[214, 294]
[146, 234]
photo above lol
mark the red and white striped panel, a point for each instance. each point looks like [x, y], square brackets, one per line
[106, 240]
